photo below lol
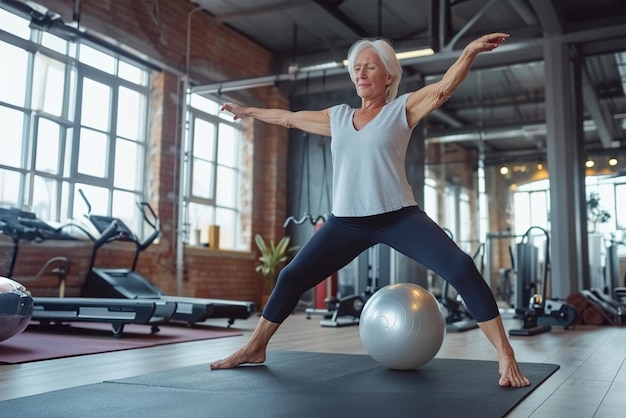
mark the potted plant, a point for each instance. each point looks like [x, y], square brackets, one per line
[595, 213]
[272, 259]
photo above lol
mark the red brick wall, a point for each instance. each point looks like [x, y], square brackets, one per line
[159, 30]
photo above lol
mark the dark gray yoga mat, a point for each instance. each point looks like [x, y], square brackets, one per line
[296, 384]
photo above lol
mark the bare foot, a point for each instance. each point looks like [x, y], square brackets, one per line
[510, 374]
[242, 356]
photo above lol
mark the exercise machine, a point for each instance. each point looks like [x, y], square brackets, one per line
[20, 225]
[610, 298]
[339, 311]
[619, 290]
[344, 311]
[505, 288]
[127, 283]
[458, 318]
[613, 310]
[542, 313]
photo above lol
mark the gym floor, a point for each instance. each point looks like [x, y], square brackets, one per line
[589, 383]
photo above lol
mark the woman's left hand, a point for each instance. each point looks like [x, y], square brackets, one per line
[487, 42]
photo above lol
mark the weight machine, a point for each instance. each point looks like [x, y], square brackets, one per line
[542, 313]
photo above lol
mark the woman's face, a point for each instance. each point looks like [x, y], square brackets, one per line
[370, 77]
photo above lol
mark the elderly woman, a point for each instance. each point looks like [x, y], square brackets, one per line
[372, 199]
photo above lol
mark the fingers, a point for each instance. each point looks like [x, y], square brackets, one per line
[227, 107]
[497, 37]
[494, 40]
[487, 42]
[232, 108]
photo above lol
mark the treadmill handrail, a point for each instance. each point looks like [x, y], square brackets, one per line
[106, 235]
[155, 223]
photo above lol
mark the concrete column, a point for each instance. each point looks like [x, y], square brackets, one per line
[564, 144]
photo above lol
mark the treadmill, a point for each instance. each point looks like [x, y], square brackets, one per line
[20, 225]
[127, 283]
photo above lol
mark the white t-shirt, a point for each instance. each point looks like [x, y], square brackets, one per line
[369, 175]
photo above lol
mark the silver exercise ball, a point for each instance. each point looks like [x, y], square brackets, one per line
[402, 326]
[16, 308]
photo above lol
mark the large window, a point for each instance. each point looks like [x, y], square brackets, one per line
[532, 206]
[73, 117]
[431, 199]
[213, 174]
[610, 192]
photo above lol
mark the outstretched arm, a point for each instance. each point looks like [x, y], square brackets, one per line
[314, 122]
[431, 97]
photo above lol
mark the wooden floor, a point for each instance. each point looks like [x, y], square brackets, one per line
[590, 383]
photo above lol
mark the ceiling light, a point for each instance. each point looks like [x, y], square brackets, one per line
[613, 161]
[324, 66]
[416, 53]
[404, 55]
[589, 163]
[504, 170]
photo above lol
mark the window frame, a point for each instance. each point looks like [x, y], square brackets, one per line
[198, 235]
[69, 122]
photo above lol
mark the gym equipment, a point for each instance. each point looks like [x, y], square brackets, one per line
[541, 314]
[526, 272]
[127, 283]
[505, 287]
[346, 310]
[20, 225]
[305, 164]
[612, 310]
[305, 167]
[612, 267]
[402, 326]
[619, 292]
[458, 318]
[609, 297]
[16, 308]
[341, 311]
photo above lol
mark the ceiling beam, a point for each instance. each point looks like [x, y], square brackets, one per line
[342, 18]
[445, 57]
[548, 16]
[468, 25]
[528, 132]
[524, 11]
[445, 117]
[607, 130]
[252, 11]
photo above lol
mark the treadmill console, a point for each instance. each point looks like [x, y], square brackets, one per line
[102, 223]
[25, 225]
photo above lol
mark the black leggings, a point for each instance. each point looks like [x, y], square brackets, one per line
[409, 231]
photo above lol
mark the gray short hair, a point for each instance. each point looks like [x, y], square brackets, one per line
[387, 55]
